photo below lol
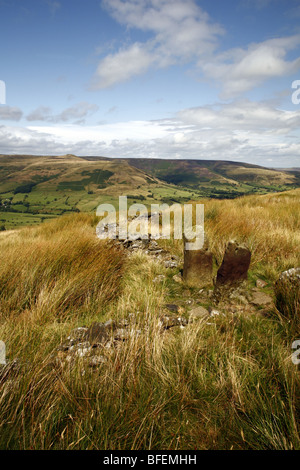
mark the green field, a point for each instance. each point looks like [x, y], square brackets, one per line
[33, 189]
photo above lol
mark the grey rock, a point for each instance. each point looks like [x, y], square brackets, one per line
[171, 264]
[198, 312]
[260, 299]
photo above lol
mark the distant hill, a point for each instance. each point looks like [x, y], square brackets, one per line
[195, 173]
[34, 188]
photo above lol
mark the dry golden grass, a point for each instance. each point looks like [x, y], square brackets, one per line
[227, 384]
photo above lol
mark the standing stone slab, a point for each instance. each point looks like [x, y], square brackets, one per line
[198, 266]
[234, 268]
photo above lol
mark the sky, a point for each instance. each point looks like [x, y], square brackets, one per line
[181, 79]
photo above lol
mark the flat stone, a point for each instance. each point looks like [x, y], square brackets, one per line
[198, 312]
[260, 299]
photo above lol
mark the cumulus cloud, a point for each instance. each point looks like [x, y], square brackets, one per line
[239, 70]
[116, 68]
[242, 115]
[245, 131]
[180, 31]
[76, 112]
[10, 113]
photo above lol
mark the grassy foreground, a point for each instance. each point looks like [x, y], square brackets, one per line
[229, 384]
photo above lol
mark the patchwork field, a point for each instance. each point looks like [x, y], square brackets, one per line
[33, 189]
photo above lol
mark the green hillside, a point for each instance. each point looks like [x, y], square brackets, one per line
[35, 188]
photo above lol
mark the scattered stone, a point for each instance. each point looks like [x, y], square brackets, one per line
[99, 332]
[198, 265]
[174, 308]
[159, 278]
[236, 296]
[167, 322]
[213, 312]
[260, 283]
[234, 268]
[83, 349]
[177, 278]
[260, 299]
[287, 292]
[198, 312]
[171, 264]
[97, 361]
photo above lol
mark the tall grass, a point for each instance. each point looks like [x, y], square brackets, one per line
[226, 384]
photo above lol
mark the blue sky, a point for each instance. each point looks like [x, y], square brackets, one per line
[206, 79]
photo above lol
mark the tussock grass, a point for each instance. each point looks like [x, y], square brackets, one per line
[227, 384]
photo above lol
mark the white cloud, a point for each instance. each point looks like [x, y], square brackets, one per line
[10, 113]
[242, 115]
[240, 70]
[241, 131]
[180, 31]
[78, 112]
[120, 67]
